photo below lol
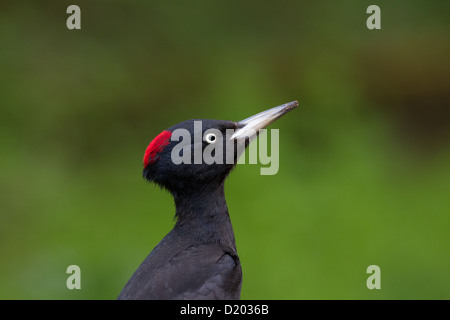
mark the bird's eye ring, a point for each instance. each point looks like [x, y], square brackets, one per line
[210, 138]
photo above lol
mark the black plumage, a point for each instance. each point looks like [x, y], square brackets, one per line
[197, 259]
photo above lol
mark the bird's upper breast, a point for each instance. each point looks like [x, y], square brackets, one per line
[199, 271]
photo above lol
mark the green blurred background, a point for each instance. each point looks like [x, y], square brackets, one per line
[364, 161]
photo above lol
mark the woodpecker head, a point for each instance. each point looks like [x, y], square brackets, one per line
[194, 153]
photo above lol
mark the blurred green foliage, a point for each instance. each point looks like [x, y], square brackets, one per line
[364, 161]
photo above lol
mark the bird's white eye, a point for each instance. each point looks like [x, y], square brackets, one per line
[210, 138]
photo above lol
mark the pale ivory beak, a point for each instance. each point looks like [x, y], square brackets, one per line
[249, 127]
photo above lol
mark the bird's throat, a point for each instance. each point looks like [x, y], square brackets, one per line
[203, 213]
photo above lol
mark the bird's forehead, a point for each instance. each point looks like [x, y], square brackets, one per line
[203, 124]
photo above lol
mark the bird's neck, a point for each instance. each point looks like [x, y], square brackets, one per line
[203, 214]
